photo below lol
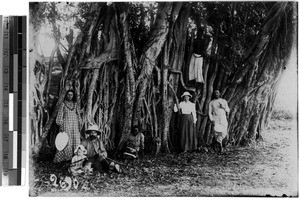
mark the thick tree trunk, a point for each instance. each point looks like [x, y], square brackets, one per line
[166, 105]
[150, 53]
[176, 62]
[130, 85]
[251, 98]
[66, 83]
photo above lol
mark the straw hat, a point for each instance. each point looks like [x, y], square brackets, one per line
[81, 147]
[111, 166]
[61, 140]
[94, 127]
[186, 93]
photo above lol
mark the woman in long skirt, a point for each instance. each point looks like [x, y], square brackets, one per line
[188, 119]
[68, 120]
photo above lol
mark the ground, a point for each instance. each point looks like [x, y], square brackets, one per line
[267, 168]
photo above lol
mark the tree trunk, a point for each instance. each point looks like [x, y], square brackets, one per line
[130, 85]
[166, 105]
[150, 53]
[177, 48]
[252, 96]
[116, 94]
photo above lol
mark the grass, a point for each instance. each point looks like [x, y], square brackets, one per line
[281, 114]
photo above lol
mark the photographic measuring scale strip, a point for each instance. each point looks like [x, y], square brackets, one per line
[14, 100]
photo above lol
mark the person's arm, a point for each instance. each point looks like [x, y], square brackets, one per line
[84, 143]
[226, 107]
[78, 117]
[74, 159]
[177, 108]
[102, 151]
[60, 117]
[210, 111]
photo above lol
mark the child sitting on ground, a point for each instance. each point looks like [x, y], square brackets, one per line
[76, 166]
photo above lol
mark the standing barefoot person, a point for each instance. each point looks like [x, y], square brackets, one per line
[218, 108]
[188, 119]
[68, 120]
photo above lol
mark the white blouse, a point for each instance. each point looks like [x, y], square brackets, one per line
[187, 108]
[217, 111]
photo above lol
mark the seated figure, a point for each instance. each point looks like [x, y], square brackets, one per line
[96, 152]
[76, 166]
[134, 145]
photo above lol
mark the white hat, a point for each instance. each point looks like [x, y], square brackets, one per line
[61, 140]
[81, 147]
[219, 128]
[186, 93]
[94, 127]
[111, 166]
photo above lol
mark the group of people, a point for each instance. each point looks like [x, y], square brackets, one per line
[89, 153]
[218, 112]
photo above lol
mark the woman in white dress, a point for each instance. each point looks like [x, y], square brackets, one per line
[218, 108]
[188, 119]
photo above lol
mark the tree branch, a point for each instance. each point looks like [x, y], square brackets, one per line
[181, 80]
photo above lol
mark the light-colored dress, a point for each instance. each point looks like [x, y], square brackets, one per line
[187, 133]
[68, 119]
[218, 114]
[195, 68]
[77, 164]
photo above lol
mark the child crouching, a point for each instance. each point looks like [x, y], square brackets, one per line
[76, 166]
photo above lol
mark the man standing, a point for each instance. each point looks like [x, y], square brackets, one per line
[218, 108]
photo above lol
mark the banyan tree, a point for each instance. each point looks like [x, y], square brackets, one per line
[129, 64]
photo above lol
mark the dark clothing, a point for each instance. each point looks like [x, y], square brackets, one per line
[96, 153]
[99, 164]
[187, 133]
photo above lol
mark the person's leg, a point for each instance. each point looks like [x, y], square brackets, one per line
[214, 144]
[104, 164]
[225, 142]
[221, 148]
[96, 165]
[219, 139]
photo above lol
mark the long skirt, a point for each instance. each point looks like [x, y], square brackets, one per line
[68, 119]
[187, 133]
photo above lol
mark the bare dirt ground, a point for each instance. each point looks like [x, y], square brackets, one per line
[268, 168]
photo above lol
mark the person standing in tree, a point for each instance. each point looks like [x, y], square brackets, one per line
[218, 110]
[188, 119]
[69, 121]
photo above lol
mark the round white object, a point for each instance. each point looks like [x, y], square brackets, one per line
[61, 140]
